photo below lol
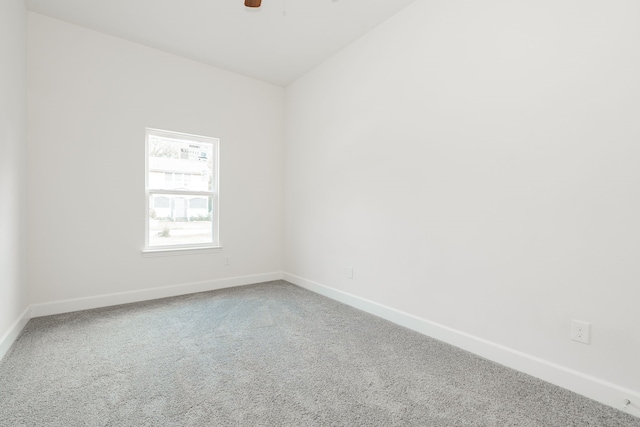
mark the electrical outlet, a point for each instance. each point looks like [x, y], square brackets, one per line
[349, 272]
[580, 331]
[227, 261]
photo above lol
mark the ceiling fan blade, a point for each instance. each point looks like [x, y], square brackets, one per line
[252, 3]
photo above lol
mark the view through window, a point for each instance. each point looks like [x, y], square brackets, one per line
[182, 190]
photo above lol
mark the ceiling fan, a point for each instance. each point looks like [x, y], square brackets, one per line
[256, 3]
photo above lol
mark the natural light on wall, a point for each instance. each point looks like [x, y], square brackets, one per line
[181, 191]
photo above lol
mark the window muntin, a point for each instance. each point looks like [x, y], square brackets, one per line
[182, 191]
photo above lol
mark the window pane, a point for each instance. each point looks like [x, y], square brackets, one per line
[181, 177]
[172, 162]
[179, 220]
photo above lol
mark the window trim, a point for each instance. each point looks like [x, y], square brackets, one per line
[184, 249]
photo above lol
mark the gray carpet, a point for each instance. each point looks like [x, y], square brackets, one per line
[264, 355]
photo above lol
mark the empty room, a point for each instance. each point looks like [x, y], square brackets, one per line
[319, 213]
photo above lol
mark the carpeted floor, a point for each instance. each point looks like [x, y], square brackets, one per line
[264, 355]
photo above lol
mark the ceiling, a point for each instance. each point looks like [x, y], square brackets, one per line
[277, 43]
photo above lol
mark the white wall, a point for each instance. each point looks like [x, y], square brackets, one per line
[90, 98]
[477, 163]
[13, 39]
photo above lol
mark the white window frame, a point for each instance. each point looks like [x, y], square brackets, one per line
[214, 193]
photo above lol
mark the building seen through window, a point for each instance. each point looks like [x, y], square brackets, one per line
[181, 190]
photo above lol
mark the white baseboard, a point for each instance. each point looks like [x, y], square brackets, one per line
[594, 388]
[77, 304]
[14, 330]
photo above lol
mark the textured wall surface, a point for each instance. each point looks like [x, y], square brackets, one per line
[13, 51]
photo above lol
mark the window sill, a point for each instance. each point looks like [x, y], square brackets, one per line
[150, 253]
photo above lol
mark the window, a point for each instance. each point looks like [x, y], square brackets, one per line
[182, 213]
[178, 180]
